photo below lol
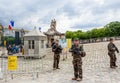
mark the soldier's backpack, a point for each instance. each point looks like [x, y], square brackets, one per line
[83, 53]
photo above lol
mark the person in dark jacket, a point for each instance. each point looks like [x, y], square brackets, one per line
[111, 52]
[57, 49]
[9, 49]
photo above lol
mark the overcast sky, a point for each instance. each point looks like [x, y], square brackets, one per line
[69, 14]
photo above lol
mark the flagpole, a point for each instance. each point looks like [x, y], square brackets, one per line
[9, 37]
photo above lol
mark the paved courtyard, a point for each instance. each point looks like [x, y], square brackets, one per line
[95, 68]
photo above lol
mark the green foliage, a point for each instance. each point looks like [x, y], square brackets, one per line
[109, 30]
[69, 34]
[10, 39]
[113, 29]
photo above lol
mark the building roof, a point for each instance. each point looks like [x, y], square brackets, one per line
[52, 31]
[34, 33]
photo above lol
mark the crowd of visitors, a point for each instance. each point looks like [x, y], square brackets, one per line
[12, 49]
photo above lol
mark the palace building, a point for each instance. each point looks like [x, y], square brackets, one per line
[52, 33]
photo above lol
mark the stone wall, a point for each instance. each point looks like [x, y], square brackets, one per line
[95, 40]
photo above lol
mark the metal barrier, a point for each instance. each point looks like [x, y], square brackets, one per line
[26, 65]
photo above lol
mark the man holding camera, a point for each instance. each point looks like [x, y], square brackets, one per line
[57, 49]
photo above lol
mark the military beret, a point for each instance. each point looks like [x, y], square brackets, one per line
[76, 39]
[111, 39]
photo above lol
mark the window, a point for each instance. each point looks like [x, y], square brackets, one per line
[42, 43]
[31, 44]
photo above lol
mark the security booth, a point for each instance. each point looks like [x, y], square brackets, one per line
[35, 44]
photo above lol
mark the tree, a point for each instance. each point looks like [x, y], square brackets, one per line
[69, 34]
[109, 30]
[112, 29]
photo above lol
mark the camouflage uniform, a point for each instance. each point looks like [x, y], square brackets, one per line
[56, 60]
[57, 49]
[111, 52]
[77, 61]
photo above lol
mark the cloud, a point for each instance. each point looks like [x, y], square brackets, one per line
[70, 14]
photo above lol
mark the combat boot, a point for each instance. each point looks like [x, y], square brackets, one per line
[116, 66]
[74, 78]
[79, 79]
[58, 68]
[112, 67]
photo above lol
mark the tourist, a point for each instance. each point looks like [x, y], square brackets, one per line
[14, 49]
[9, 49]
[21, 47]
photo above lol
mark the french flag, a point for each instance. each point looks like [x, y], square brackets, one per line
[11, 25]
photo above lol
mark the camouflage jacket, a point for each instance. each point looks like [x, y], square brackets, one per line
[77, 49]
[57, 49]
[112, 48]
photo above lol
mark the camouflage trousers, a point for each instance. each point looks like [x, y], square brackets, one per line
[56, 60]
[77, 64]
[112, 59]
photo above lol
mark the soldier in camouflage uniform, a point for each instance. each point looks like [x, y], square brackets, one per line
[77, 53]
[57, 49]
[111, 52]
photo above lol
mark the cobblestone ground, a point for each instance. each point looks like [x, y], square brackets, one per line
[95, 68]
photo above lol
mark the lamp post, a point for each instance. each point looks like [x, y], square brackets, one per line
[22, 35]
[1, 34]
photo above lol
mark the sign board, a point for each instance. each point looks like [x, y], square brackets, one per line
[5, 43]
[12, 63]
[69, 43]
[63, 43]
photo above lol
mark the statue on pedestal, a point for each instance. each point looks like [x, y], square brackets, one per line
[53, 24]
